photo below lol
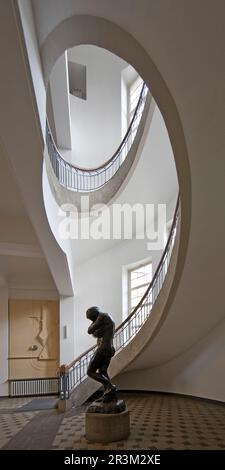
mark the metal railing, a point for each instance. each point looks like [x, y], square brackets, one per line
[73, 374]
[87, 180]
[34, 387]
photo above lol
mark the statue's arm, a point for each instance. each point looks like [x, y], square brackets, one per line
[98, 333]
[94, 326]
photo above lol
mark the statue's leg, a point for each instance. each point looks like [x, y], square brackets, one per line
[109, 387]
[104, 367]
[95, 364]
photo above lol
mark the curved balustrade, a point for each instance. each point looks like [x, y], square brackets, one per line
[73, 374]
[87, 180]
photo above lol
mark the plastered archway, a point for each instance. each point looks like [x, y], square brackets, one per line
[85, 29]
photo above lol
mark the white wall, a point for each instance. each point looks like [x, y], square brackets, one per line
[3, 340]
[54, 220]
[100, 281]
[124, 117]
[24, 151]
[29, 30]
[98, 264]
[152, 181]
[195, 372]
[96, 122]
[59, 89]
[67, 343]
[196, 92]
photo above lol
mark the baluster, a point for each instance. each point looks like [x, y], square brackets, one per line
[127, 332]
[117, 342]
[135, 324]
[64, 175]
[105, 175]
[143, 308]
[75, 374]
[76, 181]
[79, 371]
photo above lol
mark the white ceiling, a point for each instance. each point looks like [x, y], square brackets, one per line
[22, 272]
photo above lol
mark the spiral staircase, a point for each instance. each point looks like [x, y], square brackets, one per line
[131, 336]
[188, 92]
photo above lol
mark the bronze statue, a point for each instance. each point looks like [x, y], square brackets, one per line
[102, 328]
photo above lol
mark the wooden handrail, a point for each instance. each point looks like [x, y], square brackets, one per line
[156, 272]
[147, 290]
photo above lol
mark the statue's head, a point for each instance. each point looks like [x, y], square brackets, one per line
[92, 313]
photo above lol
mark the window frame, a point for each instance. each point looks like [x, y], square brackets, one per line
[129, 290]
[130, 98]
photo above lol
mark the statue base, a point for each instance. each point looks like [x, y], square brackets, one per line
[102, 426]
[107, 407]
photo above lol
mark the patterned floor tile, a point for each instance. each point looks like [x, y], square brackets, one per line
[158, 421]
[11, 424]
[13, 403]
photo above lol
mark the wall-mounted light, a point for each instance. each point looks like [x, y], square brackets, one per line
[65, 332]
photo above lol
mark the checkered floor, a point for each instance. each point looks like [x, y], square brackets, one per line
[158, 421]
[12, 403]
[11, 424]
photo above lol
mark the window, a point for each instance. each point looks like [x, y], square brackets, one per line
[139, 279]
[133, 97]
[77, 80]
[131, 86]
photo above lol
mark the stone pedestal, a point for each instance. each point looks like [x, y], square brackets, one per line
[103, 427]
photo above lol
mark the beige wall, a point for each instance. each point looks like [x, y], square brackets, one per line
[33, 338]
[196, 372]
[3, 340]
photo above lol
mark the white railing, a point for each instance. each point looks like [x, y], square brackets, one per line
[87, 180]
[73, 374]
